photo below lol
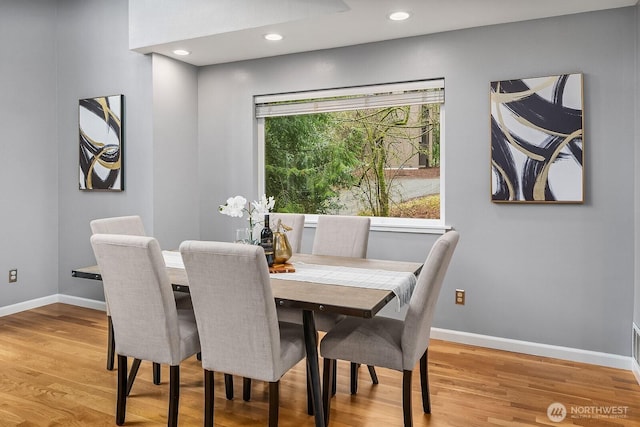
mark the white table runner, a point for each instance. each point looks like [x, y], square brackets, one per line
[400, 283]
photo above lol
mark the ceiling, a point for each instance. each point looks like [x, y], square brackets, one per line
[236, 32]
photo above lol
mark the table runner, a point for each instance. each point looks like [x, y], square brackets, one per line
[400, 283]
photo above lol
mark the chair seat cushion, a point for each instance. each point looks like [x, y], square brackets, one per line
[292, 349]
[189, 338]
[353, 339]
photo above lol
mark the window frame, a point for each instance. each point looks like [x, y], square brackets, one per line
[389, 224]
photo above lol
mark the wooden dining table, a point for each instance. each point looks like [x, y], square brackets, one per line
[310, 297]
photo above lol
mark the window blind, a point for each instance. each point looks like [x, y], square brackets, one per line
[356, 98]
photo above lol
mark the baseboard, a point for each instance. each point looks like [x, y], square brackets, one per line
[51, 299]
[535, 349]
[526, 347]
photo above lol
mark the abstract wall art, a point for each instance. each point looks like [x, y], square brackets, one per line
[537, 140]
[101, 129]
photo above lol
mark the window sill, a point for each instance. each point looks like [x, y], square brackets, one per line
[395, 225]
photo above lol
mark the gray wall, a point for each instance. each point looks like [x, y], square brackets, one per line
[175, 151]
[636, 305]
[560, 275]
[29, 172]
[94, 60]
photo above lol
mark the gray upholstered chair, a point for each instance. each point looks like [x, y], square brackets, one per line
[130, 225]
[236, 316]
[296, 222]
[146, 323]
[393, 343]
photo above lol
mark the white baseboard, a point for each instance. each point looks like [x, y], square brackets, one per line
[526, 347]
[535, 349]
[51, 299]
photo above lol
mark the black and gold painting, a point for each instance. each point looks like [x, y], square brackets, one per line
[537, 140]
[100, 127]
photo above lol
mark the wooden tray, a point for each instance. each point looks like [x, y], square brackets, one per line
[282, 268]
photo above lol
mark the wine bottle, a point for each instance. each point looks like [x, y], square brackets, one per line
[266, 241]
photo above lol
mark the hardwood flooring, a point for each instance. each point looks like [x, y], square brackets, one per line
[53, 374]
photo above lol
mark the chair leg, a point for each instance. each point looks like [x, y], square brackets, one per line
[156, 373]
[354, 377]
[372, 373]
[174, 395]
[327, 378]
[274, 403]
[228, 386]
[406, 398]
[132, 375]
[208, 398]
[424, 382]
[199, 356]
[246, 389]
[334, 386]
[121, 401]
[111, 345]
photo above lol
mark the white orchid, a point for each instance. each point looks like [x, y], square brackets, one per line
[234, 207]
[256, 210]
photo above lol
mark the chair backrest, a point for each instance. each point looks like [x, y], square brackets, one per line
[234, 307]
[417, 323]
[346, 236]
[131, 225]
[296, 222]
[140, 297]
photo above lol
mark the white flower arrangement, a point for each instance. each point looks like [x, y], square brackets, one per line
[237, 206]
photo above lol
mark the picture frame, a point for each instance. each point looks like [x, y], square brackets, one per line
[537, 140]
[100, 128]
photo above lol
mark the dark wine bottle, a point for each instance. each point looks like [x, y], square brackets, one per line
[266, 241]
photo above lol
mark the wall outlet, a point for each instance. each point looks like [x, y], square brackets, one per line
[460, 296]
[13, 275]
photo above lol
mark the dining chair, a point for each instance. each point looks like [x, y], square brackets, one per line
[236, 316]
[139, 292]
[130, 225]
[296, 222]
[392, 343]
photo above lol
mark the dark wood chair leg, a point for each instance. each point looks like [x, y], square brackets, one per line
[274, 403]
[111, 345]
[121, 403]
[174, 395]
[354, 377]
[199, 356]
[228, 386]
[156, 373]
[372, 373]
[406, 398]
[246, 389]
[327, 379]
[208, 398]
[424, 382]
[132, 375]
[334, 386]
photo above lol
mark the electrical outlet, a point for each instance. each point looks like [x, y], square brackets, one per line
[460, 296]
[13, 275]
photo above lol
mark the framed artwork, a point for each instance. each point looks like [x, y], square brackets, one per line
[100, 128]
[537, 140]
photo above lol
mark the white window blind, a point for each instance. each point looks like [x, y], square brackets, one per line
[356, 98]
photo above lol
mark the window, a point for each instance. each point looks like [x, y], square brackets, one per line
[371, 150]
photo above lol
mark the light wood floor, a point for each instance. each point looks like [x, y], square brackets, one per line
[52, 373]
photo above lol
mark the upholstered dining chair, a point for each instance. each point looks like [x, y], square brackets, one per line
[392, 343]
[139, 293]
[236, 316]
[296, 222]
[130, 225]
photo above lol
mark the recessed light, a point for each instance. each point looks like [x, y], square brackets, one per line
[273, 37]
[399, 16]
[181, 52]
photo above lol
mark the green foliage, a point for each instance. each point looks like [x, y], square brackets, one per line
[305, 166]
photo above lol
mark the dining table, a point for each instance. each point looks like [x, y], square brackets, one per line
[339, 285]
